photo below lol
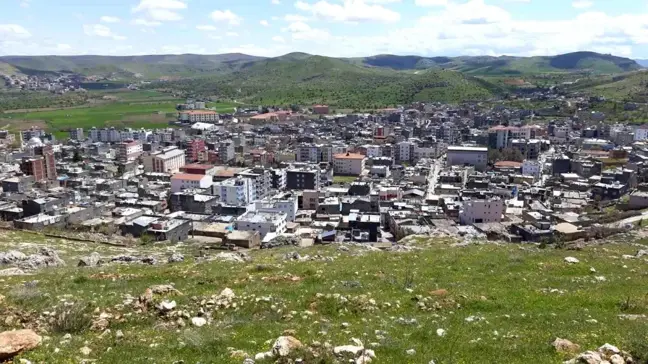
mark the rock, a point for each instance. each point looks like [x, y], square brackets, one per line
[46, 257]
[641, 253]
[125, 259]
[345, 350]
[176, 258]
[12, 272]
[565, 346]
[441, 332]
[164, 289]
[632, 317]
[149, 260]
[284, 345]
[589, 357]
[85, 350]
[12, 257]
[119, 335]
[13, 343]
[617, 359]
[410, 352]
[439, 292]
[237, 257]
[226, 295]
[167, 305]
[292, 256]
[93, 260]
[281, 241]
[608, 350]
[198, 321]
[571, 260]
[264, 356]
[248, 361]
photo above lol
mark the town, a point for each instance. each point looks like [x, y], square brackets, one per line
[264, 177]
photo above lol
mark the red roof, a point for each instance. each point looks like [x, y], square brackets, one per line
[508, 164]
[349, 156]
[187, 177]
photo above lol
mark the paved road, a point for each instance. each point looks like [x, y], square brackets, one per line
[435, 168]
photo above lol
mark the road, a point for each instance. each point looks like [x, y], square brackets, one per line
[435, 168]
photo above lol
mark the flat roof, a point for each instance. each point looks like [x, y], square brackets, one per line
[349, 156]
[468, 149]
[188, 177]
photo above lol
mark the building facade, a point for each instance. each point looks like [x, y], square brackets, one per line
[473, 156]
[349, 164]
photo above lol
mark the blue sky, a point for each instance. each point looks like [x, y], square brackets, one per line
[327, 27]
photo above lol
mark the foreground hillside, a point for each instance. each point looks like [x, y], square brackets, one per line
[315, 79]
[629, 87]
[432, 301]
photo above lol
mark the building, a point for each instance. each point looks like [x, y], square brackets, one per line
[309, 153]
[194, 116]
[501, 136]
[641, 133]
[128, 151]
[306, 177]
[34, 167]
[532, 168]
[168, 160]
[32, 132]
[76, 134]
[320, 109]
[226, 151]
[43, 165]
[261, 178]
[472, 156]
[349, 164]
[262, 222]
[286, 206]
[235, 191]
[404, 152]
[184, 181]
[481, 211]
[194, 147]
[205, 169]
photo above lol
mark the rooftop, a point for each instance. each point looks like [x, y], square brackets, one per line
[188, 177]
[467, 149]
[354, 156]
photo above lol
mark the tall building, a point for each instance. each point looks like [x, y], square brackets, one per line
[168, 160]
[76, 134]
[34, 167]
[349, 164]
[303, 178]
[236, 191]
[194, 147]
[128, 151]
[226, 151]
[43, 165]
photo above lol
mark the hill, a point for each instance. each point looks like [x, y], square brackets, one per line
[305, 79]
[151, 66]
[506, 65]
[630, 87]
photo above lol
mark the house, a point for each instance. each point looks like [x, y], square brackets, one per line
[481, 211]
[168, 160]
[262, 222]
[472, 156]
[184, 181]
[349, 164]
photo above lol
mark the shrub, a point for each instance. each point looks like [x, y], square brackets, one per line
[73, 319]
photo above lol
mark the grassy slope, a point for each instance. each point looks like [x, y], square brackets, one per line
[508, 286]
[627, 87]
[315, 79]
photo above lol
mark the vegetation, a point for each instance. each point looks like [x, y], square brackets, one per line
[494, 303]
[12, 100]
[505, 154]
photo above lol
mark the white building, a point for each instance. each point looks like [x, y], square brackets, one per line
[169, 160]
[404, 151]
[286, 206]
[473, 156]
[641, 133]
[185, 181]
[193, 116]
[481, 211]
[263, 222]
[349, 164]
[532, 168]
[128, 151]
[373, 151]
[235, 191]
[76, 134]
[309, 153]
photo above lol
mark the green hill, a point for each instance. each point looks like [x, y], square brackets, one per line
[315, 79]
[506, 65]
[631, 86]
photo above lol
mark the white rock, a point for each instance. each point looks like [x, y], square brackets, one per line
[198, 321]
[410, 352]
[600, 278]
[167, 306]
[85, 350]
[348, 349]
[571, 260]
[441, 332]
[264, 356]
[284, 345]
[608, 349]
[617, 359]
[119, 335]
[592, 270]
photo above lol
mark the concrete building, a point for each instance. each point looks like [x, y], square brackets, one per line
[641, 133]
[76, 134]
[286, 206]
[404, 152]
[235, 191]
[306, 177]
[168, 160]
[320, 109]
[472, 156]
[481, 211]
[532, 168]
[349, 164]
[184, 181]
[194, 116]
[194, 147]
[261, 178]
[128, 151]
[226, 151]
[262, 222]
[309, 153]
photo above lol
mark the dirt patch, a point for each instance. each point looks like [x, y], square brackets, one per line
[515, 82]
[22, 124]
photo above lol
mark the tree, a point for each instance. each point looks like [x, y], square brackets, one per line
[77, 157]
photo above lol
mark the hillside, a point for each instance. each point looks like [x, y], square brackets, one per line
[505, 65]
[316, 79]
[631, 86]
[152, 66]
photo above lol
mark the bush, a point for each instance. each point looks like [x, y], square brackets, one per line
[73, 319]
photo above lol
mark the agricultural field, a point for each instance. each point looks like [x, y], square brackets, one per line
[428, 300]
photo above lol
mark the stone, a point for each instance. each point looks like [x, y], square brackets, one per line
[608, 350]
[284, 345]
[13, 343]
[198, 321]
[12, 272]
[641, 253]
[264, 356]
[248, 361]
[176, 258]
[410, 352]
[167, 305]
[119, 335]
[441, 332]
[364, 359]
[232, 257]
[352, 350]
[164, 289]
[589, 357]
[617, 359]
[46, 257]
[565, 346]
[12, 257]
[571, 260]
[85, 350]
[93, 260]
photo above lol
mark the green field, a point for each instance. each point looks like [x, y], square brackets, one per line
[142, 114]
[496, 303]
[344, 179]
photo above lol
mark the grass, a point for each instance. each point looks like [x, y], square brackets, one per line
[344, 179]
[153, 114]
[505, 304]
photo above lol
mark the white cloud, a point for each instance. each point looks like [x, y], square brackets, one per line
[100, 30]
[295, 18]
[264, 23]
[160, 10]
[273, 51]
[226, 16]
[208, 28]
[146, 23]
[231, 34]
[303, 31]
[13, 31]
[431, 2]
[25, 3]
[349, 11]
[110, 19]
[582, 4]
[276, 2]
[278, 39]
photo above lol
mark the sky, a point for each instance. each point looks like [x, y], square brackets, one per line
[340, 28]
